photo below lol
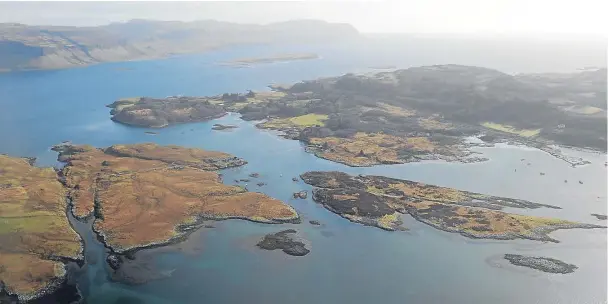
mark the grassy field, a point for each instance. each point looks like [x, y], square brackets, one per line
[123, 103]
[303, 121]
[510, 129]
[309, 120]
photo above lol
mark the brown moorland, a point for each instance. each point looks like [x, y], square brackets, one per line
[368, 149]
[35, 235]
[145, 194]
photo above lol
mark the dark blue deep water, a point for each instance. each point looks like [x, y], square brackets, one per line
[349, 263]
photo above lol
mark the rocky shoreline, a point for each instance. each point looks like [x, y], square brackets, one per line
[294, 133]
[59, 292]
[184, 231]
[57, 287]
[554, 150]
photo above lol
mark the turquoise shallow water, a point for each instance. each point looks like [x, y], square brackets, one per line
[349, 262]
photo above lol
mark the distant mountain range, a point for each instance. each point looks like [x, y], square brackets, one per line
[24, 47]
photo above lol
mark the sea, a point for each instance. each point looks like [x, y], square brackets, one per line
[348, 262]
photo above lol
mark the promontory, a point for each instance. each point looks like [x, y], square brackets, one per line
[144, 194]
[380, 201]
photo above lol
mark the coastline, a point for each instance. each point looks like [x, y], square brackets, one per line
[402, 238]
[144, 58]
[551, 148]
[539, 233]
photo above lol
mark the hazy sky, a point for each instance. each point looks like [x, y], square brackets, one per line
[423, 16]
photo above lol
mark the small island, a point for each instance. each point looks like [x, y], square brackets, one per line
[219, 127]
[247, 62]
[380, 201]
[543, 264]
[285, 240]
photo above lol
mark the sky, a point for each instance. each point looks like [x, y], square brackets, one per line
[399, 16]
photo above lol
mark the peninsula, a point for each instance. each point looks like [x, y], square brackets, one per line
[27, 47]
[247, 62]
[158, 113]
[138, 195]
[380, 201]
[144, 194]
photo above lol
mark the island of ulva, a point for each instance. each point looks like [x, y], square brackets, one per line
[387, 118]
[422, 113]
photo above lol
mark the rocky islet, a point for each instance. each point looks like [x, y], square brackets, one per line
[286, 240]
[544, 264]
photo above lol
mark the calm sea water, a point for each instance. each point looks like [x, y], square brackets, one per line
[348, 262]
